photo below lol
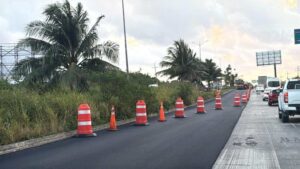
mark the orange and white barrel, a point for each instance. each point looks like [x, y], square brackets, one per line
[237, 100]
[218, 102]
[200, 105]
[84, 121]
[244, 98]
[179, 108]
[141, 114]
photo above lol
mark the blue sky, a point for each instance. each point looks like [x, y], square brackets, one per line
[234, 29]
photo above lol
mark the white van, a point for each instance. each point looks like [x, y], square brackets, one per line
[272, 83]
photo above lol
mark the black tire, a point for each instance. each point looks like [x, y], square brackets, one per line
[279, 113]
[270, 103]
[285, 117]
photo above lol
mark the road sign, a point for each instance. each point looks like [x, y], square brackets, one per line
[297, 36]
[268, 58]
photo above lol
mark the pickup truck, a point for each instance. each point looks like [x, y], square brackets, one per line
[289, 100]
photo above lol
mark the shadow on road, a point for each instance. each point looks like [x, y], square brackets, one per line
[295, 119]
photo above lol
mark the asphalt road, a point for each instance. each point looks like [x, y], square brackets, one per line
[192, 142]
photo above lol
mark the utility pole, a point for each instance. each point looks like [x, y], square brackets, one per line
[298, 69]
[275, 70]
[200, 46]
[125, 40]
[1, 63]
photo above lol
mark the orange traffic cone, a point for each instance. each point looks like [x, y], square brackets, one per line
[218, 103]
[84, 124]
[113, 124]
[161, 113]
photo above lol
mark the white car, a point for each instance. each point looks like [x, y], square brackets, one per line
[289, 100]
[266, 94]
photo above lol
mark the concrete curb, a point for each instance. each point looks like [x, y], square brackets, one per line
[5, 149]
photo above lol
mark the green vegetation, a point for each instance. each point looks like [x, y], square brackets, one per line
[181, 63]
[229, 77]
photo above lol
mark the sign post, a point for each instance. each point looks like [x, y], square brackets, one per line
[269, 58]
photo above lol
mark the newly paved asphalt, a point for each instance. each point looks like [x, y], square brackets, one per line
[192, 142]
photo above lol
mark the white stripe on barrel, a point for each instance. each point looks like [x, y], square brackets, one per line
[179, 109]
[140, 106]
[84, 123]
[141, 114]
[179, 102]
[84, 112]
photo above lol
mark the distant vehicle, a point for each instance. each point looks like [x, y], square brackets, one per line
[273, 96]
[260, 88]
[266, 94]
[262, 80]
[273, 83]
[240, 84]
[289, 100]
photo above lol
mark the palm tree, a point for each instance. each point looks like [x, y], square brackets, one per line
[181, 63]
[228, 75]
[66, 45]
[212, 72]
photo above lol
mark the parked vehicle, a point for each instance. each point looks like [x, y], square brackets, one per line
[273, 96]
[289, 100]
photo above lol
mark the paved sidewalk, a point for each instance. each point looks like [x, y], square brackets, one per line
[261, 141]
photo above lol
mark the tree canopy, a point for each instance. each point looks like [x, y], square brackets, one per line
[67, 46]
[181, 63]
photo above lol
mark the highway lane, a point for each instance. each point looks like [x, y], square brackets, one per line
[192, 142]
